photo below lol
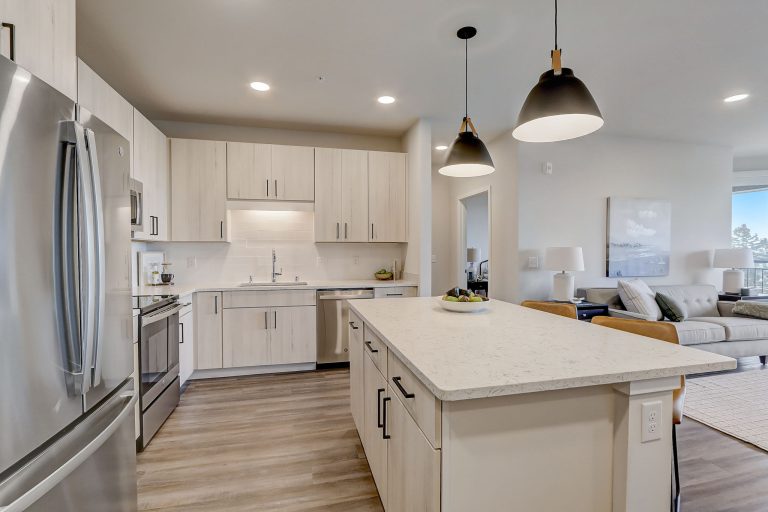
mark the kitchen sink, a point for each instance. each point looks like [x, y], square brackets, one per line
[290, 283]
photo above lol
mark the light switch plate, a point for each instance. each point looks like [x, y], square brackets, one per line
[651, 421]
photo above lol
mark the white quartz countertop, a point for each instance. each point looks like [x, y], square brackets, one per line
[508, 349]
[185, 289]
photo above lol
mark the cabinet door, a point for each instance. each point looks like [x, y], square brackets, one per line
[45, 40]
[293, 173]
[293, 335]
[246, 337]
[248, 170]
[136, 386]
[186, 347]
[162, 184]
[356, 391]
[199, 190]
[354, 193]
[375, 387]
[387, 200]
[143, 164]
[208, 330]
[103, 101]
[413, 466]
[328, 195]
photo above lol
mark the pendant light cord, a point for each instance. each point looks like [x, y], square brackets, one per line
[466, 81]
[555, 24]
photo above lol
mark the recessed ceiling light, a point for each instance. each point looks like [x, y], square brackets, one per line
[736, 97]
[441, 147]
[386, 100]
[259, 86]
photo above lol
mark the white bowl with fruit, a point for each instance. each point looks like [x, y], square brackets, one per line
[462, 301]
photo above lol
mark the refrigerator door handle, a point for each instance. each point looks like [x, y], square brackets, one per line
[40, 489]
[100, 257]
[66, 270]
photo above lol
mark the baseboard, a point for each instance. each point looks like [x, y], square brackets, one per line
[251, 370]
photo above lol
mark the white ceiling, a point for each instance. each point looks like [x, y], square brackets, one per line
[657, 68]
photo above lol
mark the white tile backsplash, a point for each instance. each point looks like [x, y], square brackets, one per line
[254, 233]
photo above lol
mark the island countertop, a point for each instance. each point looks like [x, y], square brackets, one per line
[508, 349]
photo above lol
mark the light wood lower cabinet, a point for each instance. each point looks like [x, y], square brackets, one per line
[413, 466]
[208, 330]
[186, 341]
[356, 383]
[268, 336]
[375, 393]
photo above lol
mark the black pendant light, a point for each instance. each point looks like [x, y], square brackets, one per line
[467, 157]
[559, 107]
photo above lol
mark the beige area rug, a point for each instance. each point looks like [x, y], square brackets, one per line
[734, 403]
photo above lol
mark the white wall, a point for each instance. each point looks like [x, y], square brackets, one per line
[568, 208]
[278, 136]
[418, 260]
[477, 224]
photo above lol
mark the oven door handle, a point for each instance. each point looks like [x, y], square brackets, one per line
[161, 315]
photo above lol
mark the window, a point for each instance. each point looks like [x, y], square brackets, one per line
[749, 221]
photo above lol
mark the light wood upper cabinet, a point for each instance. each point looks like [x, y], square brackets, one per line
[248, 170]
[199, 190]
[264, 171]
[150, 165]
[341, 195]
[103, 101]
[387, 197]
[208, 330]
[413, 466]
[293, 173]
[45, 40]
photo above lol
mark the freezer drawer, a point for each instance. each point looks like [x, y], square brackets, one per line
[92, 468]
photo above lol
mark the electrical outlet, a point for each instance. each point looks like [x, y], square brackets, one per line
[320, 260]
[546, 168]
[651, 421]
[192, 262]
[533, 262]
[357, 260]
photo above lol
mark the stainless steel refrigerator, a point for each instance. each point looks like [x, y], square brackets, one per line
[66, 356]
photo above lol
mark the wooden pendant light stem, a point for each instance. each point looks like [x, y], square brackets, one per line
[467, 122]
[557, 65]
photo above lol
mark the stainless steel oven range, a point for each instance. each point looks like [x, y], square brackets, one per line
[158, 361]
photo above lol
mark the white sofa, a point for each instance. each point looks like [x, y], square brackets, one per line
[711, 324]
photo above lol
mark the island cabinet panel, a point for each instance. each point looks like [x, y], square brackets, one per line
[413, 465]
[375, 388]
[375, 348]
[356, 356]
[208, 330]
[416, 398]
[248, 170]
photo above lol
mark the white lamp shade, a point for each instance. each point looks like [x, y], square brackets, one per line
[564, 258]
[473, 255]
[740, 257]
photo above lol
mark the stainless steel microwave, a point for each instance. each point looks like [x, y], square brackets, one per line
[137, 206]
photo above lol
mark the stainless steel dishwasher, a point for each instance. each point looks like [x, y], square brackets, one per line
[333, 323]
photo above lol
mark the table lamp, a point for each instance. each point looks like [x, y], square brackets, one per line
[473, 256]
[563, 259]
[734, 259]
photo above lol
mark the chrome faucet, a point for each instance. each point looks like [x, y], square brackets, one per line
[275, 274]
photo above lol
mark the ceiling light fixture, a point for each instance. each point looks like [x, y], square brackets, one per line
[386, 100]
[467, 156]
[559, 107]
[736, 97]
[441, 147]
[259, 86]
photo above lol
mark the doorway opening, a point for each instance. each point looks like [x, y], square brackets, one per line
[474, 262]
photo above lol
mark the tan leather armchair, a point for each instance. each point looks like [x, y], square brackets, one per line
[556, 308]
[663, 331]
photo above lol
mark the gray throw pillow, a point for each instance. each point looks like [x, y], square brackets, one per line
[671, 307]
[753, 308]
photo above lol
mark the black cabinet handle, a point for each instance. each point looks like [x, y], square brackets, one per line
[394, 295]
[373, 350]
[345, 231]
[275, 188]
[406, 394]
[181, 327]
[215, 304]
[267, 187]
[221, 229]
[384, 434]
[352, 325]
[275, 326]
[379, 423]
[337, 231]
[12, 50]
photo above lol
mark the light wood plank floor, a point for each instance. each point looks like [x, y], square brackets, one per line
[287, 443]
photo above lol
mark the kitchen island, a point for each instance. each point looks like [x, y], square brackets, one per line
[513, 409]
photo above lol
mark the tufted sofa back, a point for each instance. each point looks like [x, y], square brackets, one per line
[701, 299]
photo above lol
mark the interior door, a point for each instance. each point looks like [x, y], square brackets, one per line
[354, 204]
[37, 358]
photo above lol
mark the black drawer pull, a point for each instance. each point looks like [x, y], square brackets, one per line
[394, 295]
[406, 394]
[373, 350]
[379, 423]
[384, 434]
[352, 325]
